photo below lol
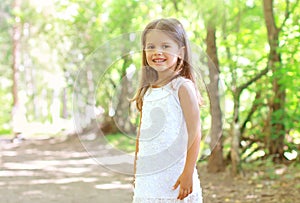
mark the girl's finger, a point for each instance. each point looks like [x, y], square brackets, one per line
[176, 185]
[180, 194]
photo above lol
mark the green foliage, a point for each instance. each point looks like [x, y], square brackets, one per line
[122, 142]
[59, 38]
[5, 67]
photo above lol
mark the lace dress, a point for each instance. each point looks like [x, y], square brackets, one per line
[162, 148]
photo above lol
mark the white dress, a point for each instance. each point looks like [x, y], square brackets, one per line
[162, 148]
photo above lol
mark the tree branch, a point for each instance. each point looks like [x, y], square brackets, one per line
[251, 153]
[252, 140]
[113, 83]
[258, 76]
[288, 12]
[251, 112]
[175, 5]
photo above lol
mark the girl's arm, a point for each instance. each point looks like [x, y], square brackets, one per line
[136, 150]
[190, 107]
[135, 158]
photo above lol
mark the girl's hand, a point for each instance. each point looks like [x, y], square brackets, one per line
[186, 185]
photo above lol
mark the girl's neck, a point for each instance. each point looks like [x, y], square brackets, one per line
[164, 79]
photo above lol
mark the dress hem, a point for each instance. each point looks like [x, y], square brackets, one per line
[193, 198]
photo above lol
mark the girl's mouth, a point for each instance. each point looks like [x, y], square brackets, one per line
[159, 60]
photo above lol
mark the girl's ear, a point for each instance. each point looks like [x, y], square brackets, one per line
[180, 60]
[181, 52]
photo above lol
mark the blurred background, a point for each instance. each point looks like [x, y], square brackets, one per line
[52, 62]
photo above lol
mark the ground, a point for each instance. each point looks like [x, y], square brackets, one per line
[45, 171]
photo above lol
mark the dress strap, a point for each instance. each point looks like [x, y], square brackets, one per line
[177, 84]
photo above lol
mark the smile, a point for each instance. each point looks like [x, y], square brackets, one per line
[159, 60]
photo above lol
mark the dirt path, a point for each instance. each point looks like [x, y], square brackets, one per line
[63, 172]
[44, 172]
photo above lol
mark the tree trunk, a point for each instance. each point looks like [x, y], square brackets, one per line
[236, 136]
[215, 161]
[55, 106]
[83, 100]
[16, 53]
[64, 103]
[276, 106]
[122, 110]
[237, 129]
[90, 115]
[17, 113]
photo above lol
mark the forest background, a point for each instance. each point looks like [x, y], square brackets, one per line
[78, 60]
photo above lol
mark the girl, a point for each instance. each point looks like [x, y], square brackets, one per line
[167, 144]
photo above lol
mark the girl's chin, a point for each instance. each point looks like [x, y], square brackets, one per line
[158, 65]
[160, 68]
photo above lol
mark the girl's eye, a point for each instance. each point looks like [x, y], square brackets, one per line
[165, 46]
[150, 47]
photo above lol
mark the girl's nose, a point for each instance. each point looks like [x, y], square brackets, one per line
[158, 52]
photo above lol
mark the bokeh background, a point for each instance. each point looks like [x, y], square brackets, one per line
[76, 59]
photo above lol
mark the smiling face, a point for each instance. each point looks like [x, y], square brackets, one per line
[161, 51]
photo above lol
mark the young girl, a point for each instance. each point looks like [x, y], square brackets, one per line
[169, 134]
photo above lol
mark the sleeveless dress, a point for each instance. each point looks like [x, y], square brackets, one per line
[162, 148]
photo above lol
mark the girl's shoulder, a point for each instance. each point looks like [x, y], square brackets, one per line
[177, 82]
[189, 86]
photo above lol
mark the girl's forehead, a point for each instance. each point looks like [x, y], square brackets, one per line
[158, 36]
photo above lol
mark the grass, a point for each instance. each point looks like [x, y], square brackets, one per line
[126, 143]
[122, 142]
[5, 132]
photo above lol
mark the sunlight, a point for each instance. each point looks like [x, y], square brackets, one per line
[51, 165]
[281, 171]
[69, 13]
[23, 166]
[9, 153]
[63, 180]
[130, 71]
[104, 174]
[250, 3]
[7, 173]
[69, 134]
[251, 197]
[76, 170]
[112, 160]
[291, 155]
[113, 185]
[32, 192]
[259, 153]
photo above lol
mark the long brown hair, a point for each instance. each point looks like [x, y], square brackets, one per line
[175, 30]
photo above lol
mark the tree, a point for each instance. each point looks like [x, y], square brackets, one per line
[18, 113]
[277, 103]
[238, 61]
[216, 160]
[6, 66]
